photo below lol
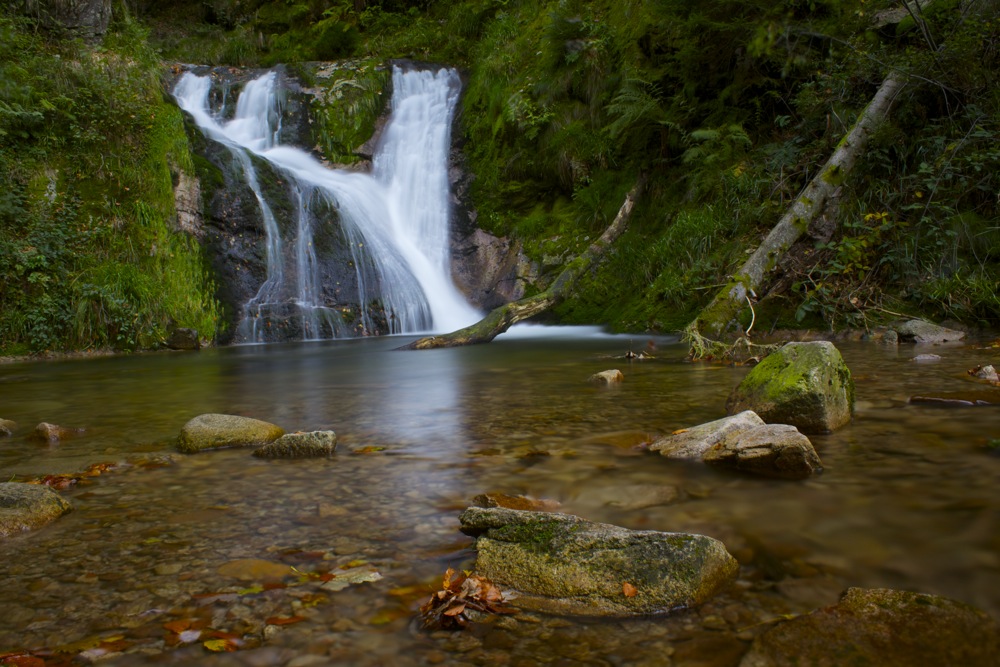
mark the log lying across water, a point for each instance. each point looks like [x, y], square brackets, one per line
[502, 318]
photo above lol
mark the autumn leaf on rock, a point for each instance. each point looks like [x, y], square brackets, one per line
[221, 645]
[629, 590]
[461, 592]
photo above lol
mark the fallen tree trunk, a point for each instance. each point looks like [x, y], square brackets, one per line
[716, 318]
[502, 318]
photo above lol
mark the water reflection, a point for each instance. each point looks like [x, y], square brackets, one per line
[907, 499]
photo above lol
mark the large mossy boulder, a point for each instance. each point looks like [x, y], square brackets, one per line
[559, 563]
[28, 506]
[744, 442]
[882, 628]
[215, 431]
[807, 385]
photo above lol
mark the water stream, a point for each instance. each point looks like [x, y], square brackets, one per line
[907, 500]
[395, 221]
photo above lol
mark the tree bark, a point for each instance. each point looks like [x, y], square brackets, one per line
[716, 318]
[502, 318]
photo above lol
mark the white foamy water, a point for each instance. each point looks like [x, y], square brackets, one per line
[395, 221]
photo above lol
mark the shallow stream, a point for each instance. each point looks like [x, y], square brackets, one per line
[907, 499]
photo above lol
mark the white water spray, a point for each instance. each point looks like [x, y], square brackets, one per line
[395, 221]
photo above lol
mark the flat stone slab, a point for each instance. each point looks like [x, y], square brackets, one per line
[921, 331]
[881, 628]
[692, 443]
[215, 431]
[312, 445]
[28, 506]
[562, 564]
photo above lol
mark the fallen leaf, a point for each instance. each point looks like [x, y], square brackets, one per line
[20, 660]
[629, 590]
[284, 620]
[680, 430]
[221, 645]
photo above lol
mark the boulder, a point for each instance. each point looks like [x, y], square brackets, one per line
[215, 431]
[744, 442]
[807, 385]
[28, 506]
[52, 433]
[921, 331]
[613, 376]
[881, 628]
[184, 339]
[559, 563]
[7, 428]
[317, 444]
[775, 450]
[692, 443]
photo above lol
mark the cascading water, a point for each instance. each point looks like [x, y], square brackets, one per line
[395, 222]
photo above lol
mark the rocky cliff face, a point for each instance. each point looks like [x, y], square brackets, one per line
[86, 18]
[231, 228]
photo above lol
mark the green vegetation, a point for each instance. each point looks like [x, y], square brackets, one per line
[726, 107]
[88, 146]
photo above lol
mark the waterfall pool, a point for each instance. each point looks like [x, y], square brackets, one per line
[907, 499]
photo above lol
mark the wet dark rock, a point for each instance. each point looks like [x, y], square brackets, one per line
[807, 385]
[85, 18]
[921, 331]
[881, 628]
[183, 339]
[28, 506]
[515, 502]
[559, 563]
[775, 450]
[52, 433]
[609, 377]
[215, 431]
[316, 444]
[7, 428]
[489, 270]
[959, 399]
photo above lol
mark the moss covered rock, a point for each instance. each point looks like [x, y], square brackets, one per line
[28, 506]
[807, 385]
[562, 564]
[881, 628]
[317, 444]
[215, 431]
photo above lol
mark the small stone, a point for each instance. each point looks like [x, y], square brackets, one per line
[255, 569]
[925, 358]
[317, 444]
[7, 428]
[607, 377]
[165, 569]
[53, 433]
[28, 506]
[988, 373]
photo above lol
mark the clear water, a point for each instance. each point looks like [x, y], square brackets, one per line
[908, 498]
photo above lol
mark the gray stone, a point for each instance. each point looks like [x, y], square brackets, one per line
[613, 376]
[215, 431]
[807, 385]
[775, 450]
[988, 373]
[881, 628]
[562, 564]
[183, 339]
[692, 443]
[88, 18]
[926, 358]
[317, 444]
[28, 506]
[7, 428]
[53, 433]
[921, 331]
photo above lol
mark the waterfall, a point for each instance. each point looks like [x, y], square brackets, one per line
[394, 222]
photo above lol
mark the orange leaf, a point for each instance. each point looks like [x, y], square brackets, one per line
[284, 620]
[629, 590]
[679, 431]
[22, 660]
[177, 626]
[456, 610]
[221, 645]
